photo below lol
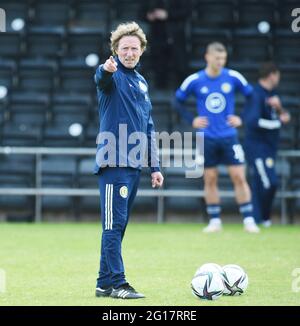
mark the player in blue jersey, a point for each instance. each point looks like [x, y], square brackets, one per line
[124, 113]
[263, 118]
[214, 89]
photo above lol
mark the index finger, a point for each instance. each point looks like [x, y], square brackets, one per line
[112, 59]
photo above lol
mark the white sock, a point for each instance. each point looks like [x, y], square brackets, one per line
[249, 220]
[215, 221]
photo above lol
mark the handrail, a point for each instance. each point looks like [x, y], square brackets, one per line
[39, 191]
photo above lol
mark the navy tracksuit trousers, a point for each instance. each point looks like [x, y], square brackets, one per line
[118, 187]
[264, 182]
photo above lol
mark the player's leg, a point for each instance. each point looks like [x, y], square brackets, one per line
[266, 174]
[212, 200]
[211, 192]
[134, 175]
[243, 196]
[104, 282]
[257, 197]
[124, 188]
[233, 156]
[114, 201]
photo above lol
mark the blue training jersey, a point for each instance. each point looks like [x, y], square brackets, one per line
[215, 99]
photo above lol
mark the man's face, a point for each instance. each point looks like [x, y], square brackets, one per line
[216, 60]
[275, 78]
[129, 51]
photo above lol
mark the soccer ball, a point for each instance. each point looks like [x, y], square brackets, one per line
[235, 280]
[208, 285]
[209, 267]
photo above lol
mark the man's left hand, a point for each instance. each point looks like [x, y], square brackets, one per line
[285, 117]
[157, 179]
[275, 103]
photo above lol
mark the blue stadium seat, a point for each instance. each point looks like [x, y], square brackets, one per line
[28, 107]
[52, 13]
[36, 75]
[85, 40]
[251, 12]
[216, 13]
[21, 134]
[76, 76]
[91, 132]
[58, 172]
[45, 42]
[200, 38]
[285, 12]
[70, 108]
[251, 46]
[7, 72]
[286, 46]
[289, 81]
[92, 13]
[15, 9]
[57, 135]
[13, 45]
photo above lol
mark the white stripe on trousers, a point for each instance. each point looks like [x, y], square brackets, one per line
[108, 206]
[262, 173]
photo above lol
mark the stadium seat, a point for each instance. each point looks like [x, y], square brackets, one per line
[289, 81]
[83, 41]
[70, 108]
[16, 171]
[58, 172]
[45, 42]
[36, 75]
[92, 13]
[200, 38]
[28, 107]
[76, 76]
[7, 72]
[21, 134]
[285, 12]
[286, 46]
[57, 135]
[91, 132]
[52, 13]
[15, 9]
[126, 10]
[176, 179]
[216, 13]
[14, 45]
[251, 12]
[251, 46]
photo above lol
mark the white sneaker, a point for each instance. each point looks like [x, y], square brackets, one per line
[267, 223]
[250, 225]
[214, 225]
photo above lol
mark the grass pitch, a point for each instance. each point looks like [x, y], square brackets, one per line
[56, 264]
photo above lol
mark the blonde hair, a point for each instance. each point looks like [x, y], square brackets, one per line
[127, 29]
[215, 46]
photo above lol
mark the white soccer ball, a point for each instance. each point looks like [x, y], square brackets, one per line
[209, 267]
[208, 285]
[235, 280]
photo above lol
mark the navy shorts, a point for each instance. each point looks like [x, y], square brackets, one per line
[227, 151]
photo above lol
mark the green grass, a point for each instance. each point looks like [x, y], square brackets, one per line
[56, 264]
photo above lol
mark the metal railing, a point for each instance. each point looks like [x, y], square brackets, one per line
[38, 191]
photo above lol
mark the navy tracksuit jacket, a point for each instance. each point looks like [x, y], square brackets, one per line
[124, 105]
[262, 126]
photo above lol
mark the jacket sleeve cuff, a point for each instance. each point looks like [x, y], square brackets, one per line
[155, 169]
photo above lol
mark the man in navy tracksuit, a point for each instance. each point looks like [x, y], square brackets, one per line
[263, 117]
[126, 136]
